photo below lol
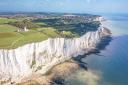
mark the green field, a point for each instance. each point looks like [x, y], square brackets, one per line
[15, 39]
[10, 38]
[40, 29]
[5, 20]
[7, 28]
[41, 24]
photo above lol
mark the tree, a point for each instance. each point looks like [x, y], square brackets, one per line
[24, 25]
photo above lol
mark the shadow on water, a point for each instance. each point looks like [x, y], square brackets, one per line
[58, 81]
[101, 46]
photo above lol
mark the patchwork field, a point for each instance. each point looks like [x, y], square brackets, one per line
[17, 31]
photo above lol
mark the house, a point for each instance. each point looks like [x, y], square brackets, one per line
[23, 29]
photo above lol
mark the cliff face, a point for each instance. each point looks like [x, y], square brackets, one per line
[41, 57]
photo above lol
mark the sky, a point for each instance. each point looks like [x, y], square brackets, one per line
[68, 6]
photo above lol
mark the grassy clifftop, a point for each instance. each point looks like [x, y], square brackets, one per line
[16, 39]
[13, 33]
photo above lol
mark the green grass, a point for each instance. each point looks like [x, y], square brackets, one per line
[51, 32]
[7, 28]
[7, 39]
[10, 40]
[68, 34]
[41, 24]
[6, 20]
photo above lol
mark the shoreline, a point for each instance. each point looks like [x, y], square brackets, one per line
[59, 72]
[39, 49]
[45, 62]
[55, 76]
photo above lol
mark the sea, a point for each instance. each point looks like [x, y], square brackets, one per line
[110, 65]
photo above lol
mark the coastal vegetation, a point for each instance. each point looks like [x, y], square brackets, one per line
[16, 39]
[24, 24]
[78, 26]
[16, 31]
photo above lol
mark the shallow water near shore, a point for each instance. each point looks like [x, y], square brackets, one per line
[117, 24]
[110, 66]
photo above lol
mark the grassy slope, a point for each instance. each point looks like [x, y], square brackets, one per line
[15, 39]
[7, 28]
[7, 39]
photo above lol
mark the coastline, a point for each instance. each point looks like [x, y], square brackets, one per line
[55, 60]
[55, 76]
[60, 72]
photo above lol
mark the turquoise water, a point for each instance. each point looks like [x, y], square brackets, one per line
[110, 66]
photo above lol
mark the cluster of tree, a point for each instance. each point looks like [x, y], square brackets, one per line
[79, 28]
[78, 25]
[25, 24]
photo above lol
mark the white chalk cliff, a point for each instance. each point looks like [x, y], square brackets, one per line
[42, 56]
